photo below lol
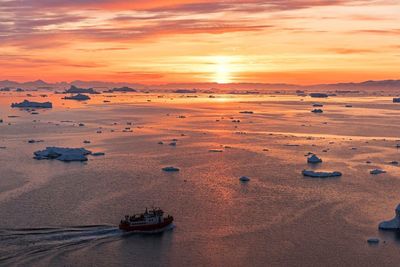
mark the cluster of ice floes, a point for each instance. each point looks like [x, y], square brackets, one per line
[315, 174]
[62, 154]
[29, 104]
[393, 224]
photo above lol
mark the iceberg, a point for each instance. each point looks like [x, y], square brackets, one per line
[78, 97]
[76, 90]
[321, 174]
[170, 169]
[121, 89]
[62, 154]
[244, 179]
[314, 159]
[28, 104]
[318, 95]
[215, 150]
[377, 171]
[317, 110]
[393, 224]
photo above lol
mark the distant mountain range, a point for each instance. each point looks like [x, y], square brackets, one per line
[367, 85]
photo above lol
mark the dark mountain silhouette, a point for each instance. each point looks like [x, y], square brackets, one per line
[102, 86]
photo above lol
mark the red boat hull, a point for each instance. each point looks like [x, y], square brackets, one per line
[148, 227]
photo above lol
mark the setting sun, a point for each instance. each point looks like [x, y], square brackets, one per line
[222, 70]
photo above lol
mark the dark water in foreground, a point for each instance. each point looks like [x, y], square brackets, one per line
[65, 214]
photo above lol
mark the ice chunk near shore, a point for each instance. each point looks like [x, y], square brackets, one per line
[315, 174]
[170, 169]
[377, 171]
[62, 153]
[393, 224]
[314, 159]
[29, 104]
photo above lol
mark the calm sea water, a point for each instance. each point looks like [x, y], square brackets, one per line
[66, 214]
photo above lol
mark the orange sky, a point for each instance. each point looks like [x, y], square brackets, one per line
[153, 42]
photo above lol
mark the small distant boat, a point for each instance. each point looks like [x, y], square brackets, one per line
[150, 220]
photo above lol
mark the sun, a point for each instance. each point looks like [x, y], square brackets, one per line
[222, 72]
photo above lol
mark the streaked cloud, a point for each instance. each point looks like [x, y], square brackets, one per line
[160, 39]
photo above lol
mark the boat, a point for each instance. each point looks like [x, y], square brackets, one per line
[151, 220]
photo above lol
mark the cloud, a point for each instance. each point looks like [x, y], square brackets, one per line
[346, 51]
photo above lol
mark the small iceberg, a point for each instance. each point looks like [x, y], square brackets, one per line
[377, 171]
[215, 150]
[314, 159]
[315, 174]
[373, 240]
[244, 179]
[393, 224]
[28, 104]
[317, 110]
[170, 169]
[62, 154]
[318, 95]
[31, 141]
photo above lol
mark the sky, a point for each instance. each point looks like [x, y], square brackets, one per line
[171, 41]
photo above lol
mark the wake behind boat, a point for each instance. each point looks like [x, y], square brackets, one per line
[150, 220]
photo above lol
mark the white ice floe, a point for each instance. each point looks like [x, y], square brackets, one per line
[215, 150]
[393, 224]
[321, 174]
[314, 159]
[170, 169]
[377, 171]
[62, 153]
[244, 179]
[29, 104]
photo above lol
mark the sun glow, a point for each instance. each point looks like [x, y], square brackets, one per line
[222, 70]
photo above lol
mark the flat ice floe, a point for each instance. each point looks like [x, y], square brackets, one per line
[29, 104]
[62, 154]
[315, 174]
[170, 169]
[377, 171]
[393, 224]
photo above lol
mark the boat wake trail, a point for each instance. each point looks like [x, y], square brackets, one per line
[21, 244]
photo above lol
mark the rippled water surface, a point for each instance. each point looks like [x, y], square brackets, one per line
[66, 214]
